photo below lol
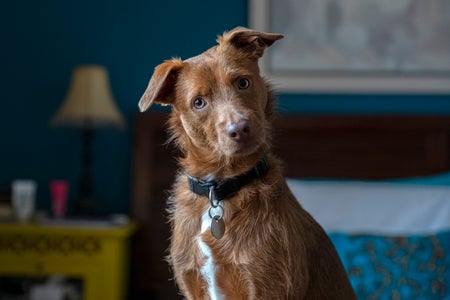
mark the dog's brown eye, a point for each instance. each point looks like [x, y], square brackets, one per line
[199, 103]
[243, 83]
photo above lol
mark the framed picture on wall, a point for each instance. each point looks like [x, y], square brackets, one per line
[356, 46]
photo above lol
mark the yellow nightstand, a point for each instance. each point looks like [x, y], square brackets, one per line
[97, 255]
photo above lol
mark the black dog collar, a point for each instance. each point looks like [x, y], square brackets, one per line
[223, 189]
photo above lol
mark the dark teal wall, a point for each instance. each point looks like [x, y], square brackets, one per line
[365, 104]
[42, 41]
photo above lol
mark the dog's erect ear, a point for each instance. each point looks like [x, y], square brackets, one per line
[161, 84]
[251, 41]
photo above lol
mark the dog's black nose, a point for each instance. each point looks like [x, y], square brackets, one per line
[239, 131]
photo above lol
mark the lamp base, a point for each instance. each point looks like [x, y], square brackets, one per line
[86, 205]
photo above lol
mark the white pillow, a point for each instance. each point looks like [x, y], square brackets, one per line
[374, 207]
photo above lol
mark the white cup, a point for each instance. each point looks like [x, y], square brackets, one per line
[23, 198]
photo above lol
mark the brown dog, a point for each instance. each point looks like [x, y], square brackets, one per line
[238, 232]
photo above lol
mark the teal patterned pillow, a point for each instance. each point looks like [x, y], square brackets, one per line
[412, 267]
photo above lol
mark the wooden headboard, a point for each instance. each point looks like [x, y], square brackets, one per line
[325, 146]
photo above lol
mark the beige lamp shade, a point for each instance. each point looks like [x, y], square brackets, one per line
[89, 102]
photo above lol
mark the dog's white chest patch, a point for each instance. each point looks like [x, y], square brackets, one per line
[208, 270]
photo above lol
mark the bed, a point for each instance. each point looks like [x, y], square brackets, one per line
[337, 154]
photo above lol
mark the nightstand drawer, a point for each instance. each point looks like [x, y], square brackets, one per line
[98, 256]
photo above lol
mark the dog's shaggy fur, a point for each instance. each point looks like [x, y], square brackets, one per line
[221, 117]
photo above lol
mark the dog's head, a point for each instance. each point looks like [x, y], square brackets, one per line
[220, 103]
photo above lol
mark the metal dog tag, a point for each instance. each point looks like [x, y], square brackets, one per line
[217, 227]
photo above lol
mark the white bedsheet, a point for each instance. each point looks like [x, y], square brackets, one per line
[375, 207]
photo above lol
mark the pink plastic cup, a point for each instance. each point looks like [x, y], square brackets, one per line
[58, 191]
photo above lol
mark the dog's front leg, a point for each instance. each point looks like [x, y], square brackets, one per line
[193, 286]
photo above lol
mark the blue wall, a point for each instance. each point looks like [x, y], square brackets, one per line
[42, 41]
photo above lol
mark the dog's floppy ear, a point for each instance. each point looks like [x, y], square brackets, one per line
[251, 41]
[161, 84]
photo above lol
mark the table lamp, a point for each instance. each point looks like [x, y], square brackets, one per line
[89, 104]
